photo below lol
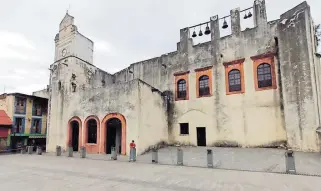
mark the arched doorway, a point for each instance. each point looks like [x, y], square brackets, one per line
[113, 133]
[74, 133]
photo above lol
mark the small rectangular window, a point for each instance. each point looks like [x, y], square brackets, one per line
[184, 130]
[20, 105]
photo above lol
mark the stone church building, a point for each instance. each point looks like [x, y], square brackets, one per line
[258, 87]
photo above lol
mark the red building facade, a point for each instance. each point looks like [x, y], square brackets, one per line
[5, 126]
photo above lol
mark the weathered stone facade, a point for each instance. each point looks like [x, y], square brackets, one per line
[144, 95]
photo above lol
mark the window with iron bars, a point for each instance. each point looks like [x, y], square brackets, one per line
[181, 89]
[204, 88]
[234, 80]
[264, 75]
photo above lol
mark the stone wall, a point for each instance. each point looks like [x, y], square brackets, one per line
[252, 118]
[152, 117]
[299, 78]
[96, 95]
[288, 111]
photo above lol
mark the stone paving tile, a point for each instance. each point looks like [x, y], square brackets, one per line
[33, 172]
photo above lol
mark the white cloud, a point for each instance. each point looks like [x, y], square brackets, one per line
[21, 72]
[16, 46]
[11, 77]
[9, 53]
[15, 40]
[21, 64]
[102, 46]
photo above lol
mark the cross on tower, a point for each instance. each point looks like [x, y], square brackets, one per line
[68, 8]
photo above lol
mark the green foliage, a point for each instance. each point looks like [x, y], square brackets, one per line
[318, 33]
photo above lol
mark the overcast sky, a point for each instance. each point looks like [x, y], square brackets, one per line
[123, 32]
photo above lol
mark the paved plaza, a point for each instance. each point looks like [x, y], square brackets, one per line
[36, 172]
[247, 159]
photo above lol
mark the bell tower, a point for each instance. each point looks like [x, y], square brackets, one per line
[70, 43]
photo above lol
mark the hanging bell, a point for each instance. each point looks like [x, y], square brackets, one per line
[245, 16]
[249, 15]
[194, 34]
[225, 25]
[207, 30]
[200, 33]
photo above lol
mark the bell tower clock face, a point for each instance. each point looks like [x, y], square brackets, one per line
[64, 52]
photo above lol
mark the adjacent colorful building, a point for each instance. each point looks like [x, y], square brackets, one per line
[29, 118]
[5, 126]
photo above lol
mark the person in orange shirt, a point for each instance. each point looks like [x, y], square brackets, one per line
[132, 146]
